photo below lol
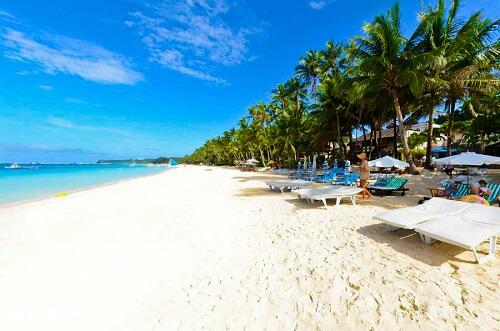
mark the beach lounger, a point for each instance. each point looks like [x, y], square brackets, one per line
[410, 217]
[392, 184]
[288, 184]
[462, 190]
[331, 192]
[347, 179]
[468, 229]
[283, 172]
[495, 193]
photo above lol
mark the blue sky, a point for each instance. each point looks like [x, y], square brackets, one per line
[86, 79]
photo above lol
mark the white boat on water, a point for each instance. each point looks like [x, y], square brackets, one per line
[14, 166]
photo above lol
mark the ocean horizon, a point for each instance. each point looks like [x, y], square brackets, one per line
[32, 181]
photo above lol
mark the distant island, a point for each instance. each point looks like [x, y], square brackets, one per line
[160, 160]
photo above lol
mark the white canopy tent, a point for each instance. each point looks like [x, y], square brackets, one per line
[469, 159]
[388, 162]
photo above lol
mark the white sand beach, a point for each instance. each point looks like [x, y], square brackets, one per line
[212, 248]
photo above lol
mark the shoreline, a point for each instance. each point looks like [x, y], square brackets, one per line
[71, 192]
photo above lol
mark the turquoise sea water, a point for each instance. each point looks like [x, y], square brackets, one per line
[36, 181]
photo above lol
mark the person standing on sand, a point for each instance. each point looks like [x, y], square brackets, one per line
[449, 170]
[364, 175]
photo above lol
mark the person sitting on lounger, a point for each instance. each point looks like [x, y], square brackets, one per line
[475, 189]
[477, 195]
[451, 189]
[483, 190]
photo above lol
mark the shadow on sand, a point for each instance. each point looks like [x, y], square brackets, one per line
[256, 191]
[390, 201]
[259, 178]
[301, 204]
[408, 242]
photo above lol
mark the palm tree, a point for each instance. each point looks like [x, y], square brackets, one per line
[330, 113]
[433, 35]
[259, 118]
[472, 57]
[332, 60]
[331, 110]
[281, 94]
[443, 61]
[386, 67]
[309, 69]
[440, 34]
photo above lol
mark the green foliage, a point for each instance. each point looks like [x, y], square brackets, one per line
[416, 139]
[381, 75]
[418, 153]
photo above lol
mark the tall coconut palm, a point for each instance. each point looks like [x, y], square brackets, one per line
[472, 61]
[330, 113]
[441, 35]
[309, 69]
[281, 94]
[259, 117]
[384, 66]
[434, 35]
[332, 60]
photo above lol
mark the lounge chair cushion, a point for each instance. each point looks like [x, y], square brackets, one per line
[495, 192]
[410, 217]
[468, 229]
[391, 184]
[335, 192]
[309, 192]
[462, 190]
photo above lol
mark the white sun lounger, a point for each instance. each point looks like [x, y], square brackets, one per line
[468, 229]
[330, 192]
[410, 217]
[288, 184]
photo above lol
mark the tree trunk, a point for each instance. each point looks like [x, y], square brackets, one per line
[371, 142]
[379, 138]
[262, 157]
[376, 139]
[450, 126]
[430, 128]
[364, 138]
[402, 133]
[350, 144]
[339, 137]
[395, 139]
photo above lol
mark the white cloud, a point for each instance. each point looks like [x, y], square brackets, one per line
[77, 101]
[46, 87]
[319, 4]
[27, 72]
[174, 60]
[191, 36]
[58, 54]
[6, 15]
[62, 123]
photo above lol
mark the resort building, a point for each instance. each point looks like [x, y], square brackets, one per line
[385, 139]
